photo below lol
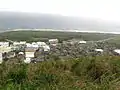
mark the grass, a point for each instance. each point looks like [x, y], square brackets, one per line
[85, 73]
[45, 35]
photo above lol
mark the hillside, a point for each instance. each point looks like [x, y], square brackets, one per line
[15, 20]
[85, 73]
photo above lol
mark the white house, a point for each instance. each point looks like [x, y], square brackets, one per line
[82, 42]
[5, 49]
[29, 54]
[29, 51]
[16, 43]
[1, 58]
[33, 43]
[35, 46]
[117, 51]
[22, 42]
[4, 44]
[98, 50]
[28, 45]
[41, 44]
[53, 41]
[46, 48]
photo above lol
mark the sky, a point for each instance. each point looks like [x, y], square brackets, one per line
[103, 9]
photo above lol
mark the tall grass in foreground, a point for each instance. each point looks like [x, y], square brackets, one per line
[85, 73]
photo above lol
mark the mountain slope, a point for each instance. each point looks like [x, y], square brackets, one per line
[15, 20]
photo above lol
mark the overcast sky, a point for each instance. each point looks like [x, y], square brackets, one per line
[102, 9]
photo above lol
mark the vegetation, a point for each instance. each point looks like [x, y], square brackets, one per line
[45, 35]
[85, 73]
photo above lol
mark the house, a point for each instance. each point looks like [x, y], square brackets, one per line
[33, 43]
[46, 48]
[29, 54]
[29, 51]
[4, 44]
[98, 50]
[82, 42]
[22, 42]
[5, 49]
[35, 46]
[117, 51]
[16, 43]
[41, 44]
[73, 41]
[53, 41]
[1, 58]
[28, 45]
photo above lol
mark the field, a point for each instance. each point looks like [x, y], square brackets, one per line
[45, 35]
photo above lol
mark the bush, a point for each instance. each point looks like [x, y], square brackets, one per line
[85, 73]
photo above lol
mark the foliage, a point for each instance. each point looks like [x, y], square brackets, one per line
[85, 73]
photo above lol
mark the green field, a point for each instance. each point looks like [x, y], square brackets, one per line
[45, 35]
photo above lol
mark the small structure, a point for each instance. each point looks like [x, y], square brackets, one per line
[82, 42]
[1, 58]
[5, 44]
[98, 50]
[29, 53]
[53, 41]
[22, 42]
[16, 43]
[117, 51]
[33, 43]
[5, 49]
[35, 46]
[46, 48]
[41, 44]
[28, 45]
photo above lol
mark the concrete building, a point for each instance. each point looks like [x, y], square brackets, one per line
[53, 41]
[41, 44]
[82, 42]
[5, 44]
[117, 51]
[46, 48]
[22, 42]
[5, 49]
[98, 50]
[1, 58]
[16, 43]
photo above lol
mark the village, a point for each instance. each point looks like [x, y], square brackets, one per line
[53, 50]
